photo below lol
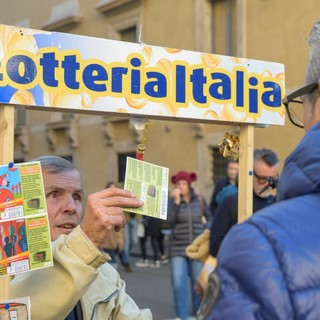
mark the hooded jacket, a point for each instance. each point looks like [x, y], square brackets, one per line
[80, 272]
[269, 266]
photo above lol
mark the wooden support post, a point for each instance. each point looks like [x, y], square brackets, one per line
[245, 194]
[6, 156]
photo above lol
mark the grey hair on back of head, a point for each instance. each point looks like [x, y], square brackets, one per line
[55, 164]
[313, 66]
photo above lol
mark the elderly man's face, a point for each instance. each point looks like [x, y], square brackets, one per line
[63, 196]
[260, 178]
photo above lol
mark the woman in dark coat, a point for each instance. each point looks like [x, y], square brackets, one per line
[186, 212]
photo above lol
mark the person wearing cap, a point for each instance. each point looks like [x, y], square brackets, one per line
[186, 214]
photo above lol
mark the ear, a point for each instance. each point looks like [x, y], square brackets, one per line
[317, 109]
[311, 119]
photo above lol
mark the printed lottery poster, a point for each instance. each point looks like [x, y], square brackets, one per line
[149, 183]
[15, 309]
[24, 227]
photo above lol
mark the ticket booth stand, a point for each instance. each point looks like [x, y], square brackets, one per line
[200, 85]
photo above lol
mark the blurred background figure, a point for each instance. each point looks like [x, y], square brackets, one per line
[151, 231]
[165, 231]
[131, 238]
[117, 244]
[230, 179]
[186, 211]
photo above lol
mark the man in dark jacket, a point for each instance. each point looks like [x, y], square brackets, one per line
[268, 266]
[265, 176]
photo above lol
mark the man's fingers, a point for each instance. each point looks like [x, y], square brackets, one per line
[104, 212]
[114, 197]
[111, 192]
[118, 201]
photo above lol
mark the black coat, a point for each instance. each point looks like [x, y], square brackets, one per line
[219, 185]
[152, 226]
[227, 215]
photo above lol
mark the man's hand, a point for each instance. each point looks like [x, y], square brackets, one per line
[104, 212]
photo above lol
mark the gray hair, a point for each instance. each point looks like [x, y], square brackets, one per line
[313, 67]
[55, 164]
[266, 155]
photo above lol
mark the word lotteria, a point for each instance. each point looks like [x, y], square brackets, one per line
[53, 69]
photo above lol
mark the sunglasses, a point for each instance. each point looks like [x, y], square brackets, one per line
[272, 181]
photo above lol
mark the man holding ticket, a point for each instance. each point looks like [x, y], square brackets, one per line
[81, 284]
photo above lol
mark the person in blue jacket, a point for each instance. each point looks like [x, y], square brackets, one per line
[269, 266]
[230, 181]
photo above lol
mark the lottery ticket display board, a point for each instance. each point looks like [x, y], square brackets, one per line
[24, 228]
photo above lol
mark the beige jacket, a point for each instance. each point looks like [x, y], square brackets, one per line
[80, 271]
[199, 250]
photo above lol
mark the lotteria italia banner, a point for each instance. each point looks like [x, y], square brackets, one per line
[69, 72]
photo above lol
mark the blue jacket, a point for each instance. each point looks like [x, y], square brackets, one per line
[269, 266]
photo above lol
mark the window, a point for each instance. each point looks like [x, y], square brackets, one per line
[224, 27]
[129, 34]
[20, 117]
[220, 164]
[123, 18]
[122, 161]
[63, 15]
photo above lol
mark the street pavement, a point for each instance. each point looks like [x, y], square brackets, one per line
[150, 288]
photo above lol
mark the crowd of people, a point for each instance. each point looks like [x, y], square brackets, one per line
[277, 248]
[77, 233]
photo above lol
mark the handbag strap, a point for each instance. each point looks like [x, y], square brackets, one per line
[201, 201]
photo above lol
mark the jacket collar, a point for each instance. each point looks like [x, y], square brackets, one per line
[301, 172]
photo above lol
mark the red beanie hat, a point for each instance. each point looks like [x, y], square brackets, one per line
[184, 175]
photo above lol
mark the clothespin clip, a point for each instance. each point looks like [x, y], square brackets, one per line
[140, 124]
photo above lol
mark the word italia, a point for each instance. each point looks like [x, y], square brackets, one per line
[65, 70]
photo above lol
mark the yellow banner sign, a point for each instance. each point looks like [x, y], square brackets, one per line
[86, 74]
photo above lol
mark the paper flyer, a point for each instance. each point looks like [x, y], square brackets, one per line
[24, 227]
[15, 309]
[149, 183]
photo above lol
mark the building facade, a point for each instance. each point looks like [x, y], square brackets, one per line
[267, 30]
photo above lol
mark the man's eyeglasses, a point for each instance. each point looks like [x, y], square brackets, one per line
[293, 103]
[272, 181]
